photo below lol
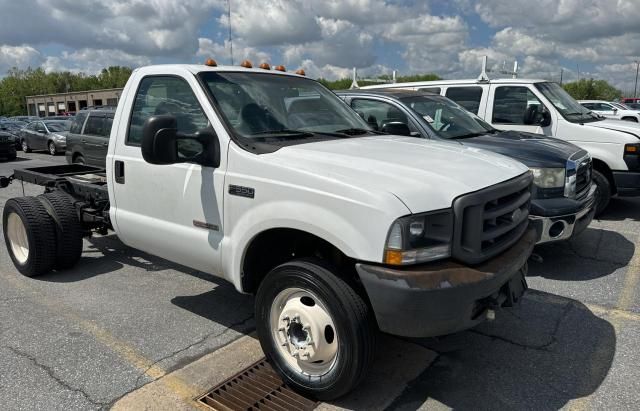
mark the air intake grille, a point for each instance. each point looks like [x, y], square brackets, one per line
[256, 388]
[489, 221]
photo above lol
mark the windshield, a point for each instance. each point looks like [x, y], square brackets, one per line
[570, 109]
[58, 126]
[447, 118]
[267, 106]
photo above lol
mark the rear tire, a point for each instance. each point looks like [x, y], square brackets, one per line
[30, 235]
[340, 329]
[603, 192]
[69, 232]
[25, 146]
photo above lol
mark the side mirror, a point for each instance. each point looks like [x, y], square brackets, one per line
[615, 110]
[160, 140]
[545, 118]
[396, 127]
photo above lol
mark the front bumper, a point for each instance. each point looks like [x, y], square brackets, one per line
[445, 297]
[559, 219]
[627, 183]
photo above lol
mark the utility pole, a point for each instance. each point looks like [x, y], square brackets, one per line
[635, 88]
[561, 72]
[230, 38]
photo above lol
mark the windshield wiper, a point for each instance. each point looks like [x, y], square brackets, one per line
[465, 136]
[296, 133]
[356, 131]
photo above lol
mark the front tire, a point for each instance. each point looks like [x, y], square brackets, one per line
[79, 159]
[25, 146]
[52, 148]
[29, 234]
[314, 329]
[603, 192]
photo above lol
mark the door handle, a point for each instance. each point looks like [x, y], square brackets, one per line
[119, 171]
[83, 140]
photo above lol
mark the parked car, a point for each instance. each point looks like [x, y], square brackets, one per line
[47, 135]
[633, 106]
[563, 195]
[611, 110]
[88, 138]
[543, 107]
[627, 100]
[13, 127]
[338, 231]
[7, 144]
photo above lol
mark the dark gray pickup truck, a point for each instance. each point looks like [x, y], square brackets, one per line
[563, 195]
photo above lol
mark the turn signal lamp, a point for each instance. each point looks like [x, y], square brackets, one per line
[280, 68]
[211, 63]
[265, 66]
[300, 72]
[631, 149]
[246, 64]
[393, 257]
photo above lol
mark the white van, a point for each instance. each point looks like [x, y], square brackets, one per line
[544, 107]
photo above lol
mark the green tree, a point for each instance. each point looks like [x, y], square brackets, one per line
[590, 89]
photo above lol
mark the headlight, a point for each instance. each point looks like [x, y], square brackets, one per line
[548, 177]
[59, 137]
[419, 238]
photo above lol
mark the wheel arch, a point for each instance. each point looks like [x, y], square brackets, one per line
[602, 167]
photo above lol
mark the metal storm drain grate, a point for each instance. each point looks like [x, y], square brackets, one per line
[258, 387]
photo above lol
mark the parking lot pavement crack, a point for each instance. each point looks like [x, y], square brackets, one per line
[214, 334]
[538, 347]
[51, 373]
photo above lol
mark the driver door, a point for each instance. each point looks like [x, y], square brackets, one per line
[173, 211]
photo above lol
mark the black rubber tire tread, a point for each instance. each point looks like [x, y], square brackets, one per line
[79, 159]
[28, 150]
[54, 149]
[41, 235]
[352, 309]
[69, 232]
[603, 192]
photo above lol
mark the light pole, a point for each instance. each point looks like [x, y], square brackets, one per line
[635, 87]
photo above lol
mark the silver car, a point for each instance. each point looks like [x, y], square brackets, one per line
[50, 135]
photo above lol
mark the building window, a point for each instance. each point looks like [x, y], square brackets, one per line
[112, 102]
[82, 104]
[97, 102]
[71, 106]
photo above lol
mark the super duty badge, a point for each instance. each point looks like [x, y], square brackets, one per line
[242, 191]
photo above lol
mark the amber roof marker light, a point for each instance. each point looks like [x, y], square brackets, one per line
[280, 68]
[265, 66]
[246, 64]
[211, 63]
[301, 72]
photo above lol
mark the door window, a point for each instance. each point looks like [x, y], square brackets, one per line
[94, 126]
[159, 95]
[78, 122]
[377, 113]
[515, 105]
[467, 97]
[432, 90]
[40, 127]
[108, 122]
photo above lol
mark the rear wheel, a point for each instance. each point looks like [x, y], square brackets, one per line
[30, 236]
[69, 232]
[52, 148]
[315, 330]
[25, 146]
[603, 192]
[633, 119]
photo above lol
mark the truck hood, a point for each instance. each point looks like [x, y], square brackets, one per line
[424, 174]
[618, 125]
[534, 150]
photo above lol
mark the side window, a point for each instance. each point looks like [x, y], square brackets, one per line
[108, 122]
[378, 113]
[78, 122]
[590, 106]
[166, 95]
[467, 97]
[515, 105]
[40, 127]
[94, 125]
[432, 90]
[605, 107]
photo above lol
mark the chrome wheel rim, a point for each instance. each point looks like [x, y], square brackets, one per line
[304, 332]
[18, 240]
[25, 147]
[52, 148]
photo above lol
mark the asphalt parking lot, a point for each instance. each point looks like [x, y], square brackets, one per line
[85, 338]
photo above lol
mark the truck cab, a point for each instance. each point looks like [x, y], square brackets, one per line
[543, 107]
[270, 181]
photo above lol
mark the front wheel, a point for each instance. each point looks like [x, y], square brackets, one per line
[603, 192]
[79, 159]
[52, 148]
[314, 329]
[25, 147]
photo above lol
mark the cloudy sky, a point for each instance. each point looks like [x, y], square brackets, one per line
[598, 38]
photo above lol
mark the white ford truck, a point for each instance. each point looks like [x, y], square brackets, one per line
[269, 180]
[543, 107]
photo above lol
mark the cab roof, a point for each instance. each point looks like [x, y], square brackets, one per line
[388, 92]
[467, 82]
[199, 68]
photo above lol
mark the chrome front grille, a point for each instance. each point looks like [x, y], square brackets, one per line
[489, 221]
[579, 172]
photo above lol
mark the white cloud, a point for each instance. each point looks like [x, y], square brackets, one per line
[18, 56]
[92, 61]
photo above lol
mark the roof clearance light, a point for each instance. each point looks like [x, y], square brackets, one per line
[280, 68]
[211, 63]
[300, 72]
[265, 66]
[246, 64]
